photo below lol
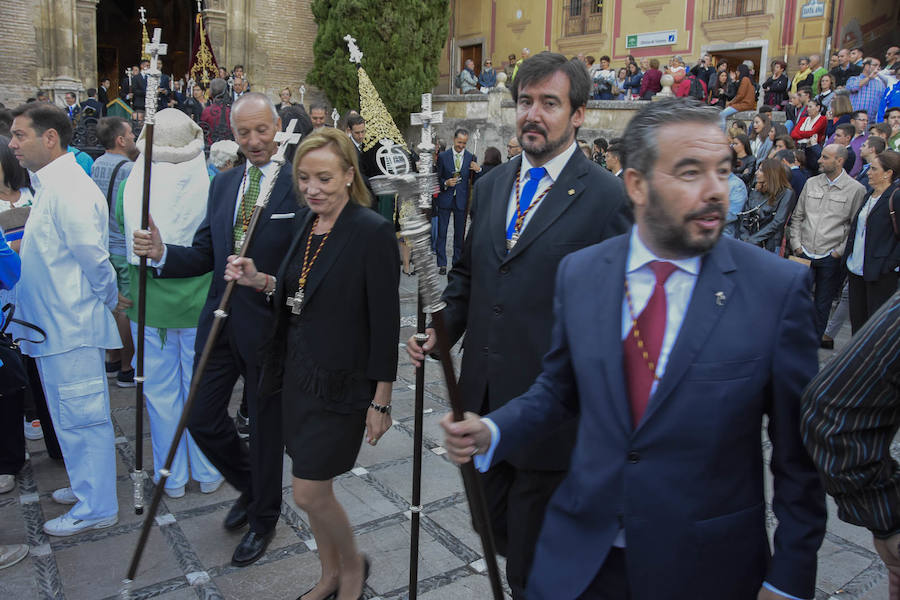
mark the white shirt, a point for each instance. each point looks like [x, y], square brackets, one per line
[554, 167]
[855, 260]
[68, 286]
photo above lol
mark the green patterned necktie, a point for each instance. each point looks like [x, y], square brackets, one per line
[247, 202]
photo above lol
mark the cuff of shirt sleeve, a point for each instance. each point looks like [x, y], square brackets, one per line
[483, 461]
[159, 264]
[772, 588]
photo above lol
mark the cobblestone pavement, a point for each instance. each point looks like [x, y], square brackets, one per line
[188, 554]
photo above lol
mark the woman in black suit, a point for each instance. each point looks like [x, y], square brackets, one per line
[332, 352]
[873, 245]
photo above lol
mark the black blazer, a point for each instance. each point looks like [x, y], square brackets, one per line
[882, 252]
[351, 311]
[213, 243]
[504, 302]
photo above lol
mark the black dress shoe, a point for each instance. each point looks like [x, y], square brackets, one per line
[253, 545]
[442, 271]
[826, 344]
[237, 515]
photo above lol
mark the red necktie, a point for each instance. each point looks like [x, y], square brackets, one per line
[643, 343]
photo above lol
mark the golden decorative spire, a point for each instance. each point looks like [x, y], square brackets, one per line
[145, 39]
[203, 66]
[379, 123]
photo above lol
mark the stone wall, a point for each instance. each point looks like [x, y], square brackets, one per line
[494, 117]
[283, 46]
[19, 53]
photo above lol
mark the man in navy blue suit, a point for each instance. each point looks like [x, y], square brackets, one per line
[255, 470]
[454, 167]
[663, 351]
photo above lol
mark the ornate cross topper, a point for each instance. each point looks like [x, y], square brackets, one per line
[356, 54]
[155, 49]
[335, 116]
[302, 91]
[143, 12]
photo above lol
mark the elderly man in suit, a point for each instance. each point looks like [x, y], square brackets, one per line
[650, 352]
[255, 472]
[454, 166]
[526, 215]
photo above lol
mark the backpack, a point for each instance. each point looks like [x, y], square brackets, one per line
[696, 90]
[457, 81]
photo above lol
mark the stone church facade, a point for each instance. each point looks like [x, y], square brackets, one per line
[52, 45]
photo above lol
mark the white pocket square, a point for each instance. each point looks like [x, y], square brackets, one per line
[282, 216]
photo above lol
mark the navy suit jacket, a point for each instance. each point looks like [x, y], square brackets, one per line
[457, 197]
[798, 180]
[687, 483]
[213, 243]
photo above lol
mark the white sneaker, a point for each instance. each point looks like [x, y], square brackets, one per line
[208, 487]
[66, 525]
[7, 483]
[33, 430]
[65, 496]
[175, 492]
[10, 555]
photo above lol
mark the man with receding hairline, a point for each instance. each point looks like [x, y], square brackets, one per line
[820, 225]
[255, 472]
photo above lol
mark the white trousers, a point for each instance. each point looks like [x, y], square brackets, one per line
[78, 398]
[168, 366]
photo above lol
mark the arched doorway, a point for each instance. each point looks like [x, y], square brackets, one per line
[119, 36]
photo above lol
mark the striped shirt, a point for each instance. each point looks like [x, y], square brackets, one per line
[851, 412]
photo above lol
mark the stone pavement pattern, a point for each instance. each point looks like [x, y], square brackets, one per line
[188, 554]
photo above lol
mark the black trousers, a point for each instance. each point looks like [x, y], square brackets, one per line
[611, 581]
[12, 434]
[517, 500]
[255, 470]
[866, 297]
[828, 273]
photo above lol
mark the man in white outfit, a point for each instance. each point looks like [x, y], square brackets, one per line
[69, 289]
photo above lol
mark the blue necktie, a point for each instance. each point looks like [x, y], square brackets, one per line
[535, 175]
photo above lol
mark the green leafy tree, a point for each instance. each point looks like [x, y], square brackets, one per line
[401, 42]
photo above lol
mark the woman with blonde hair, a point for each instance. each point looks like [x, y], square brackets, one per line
[840, 110]
[332, 350]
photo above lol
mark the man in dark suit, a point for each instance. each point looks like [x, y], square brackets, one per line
[139, 87]
[614, 158]
[126, 90]
[454, 166]
[255, 472]
[103, 94]
[498, 296]
[92, 106]
[72, 108]
[650, 351]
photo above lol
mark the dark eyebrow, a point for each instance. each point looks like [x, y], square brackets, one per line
[696, 162]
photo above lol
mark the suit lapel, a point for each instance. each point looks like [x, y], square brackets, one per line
[341, 233]
[230, 188]
[499, 203]
[564, 192]
[610, 291]
[703, 312]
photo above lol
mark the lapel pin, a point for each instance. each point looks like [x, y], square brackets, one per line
[720, 298]
[572, 191]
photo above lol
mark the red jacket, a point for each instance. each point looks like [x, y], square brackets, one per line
[818, 129]
[650, 83]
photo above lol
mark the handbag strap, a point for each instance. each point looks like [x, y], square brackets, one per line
[12, 310]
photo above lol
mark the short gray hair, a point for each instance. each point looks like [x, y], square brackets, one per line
[222, 152]
[640, 137]
[249, 97]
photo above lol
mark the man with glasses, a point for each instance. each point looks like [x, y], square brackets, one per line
[866, 90]
[860, 122]
[844, 70]
[888, 75]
